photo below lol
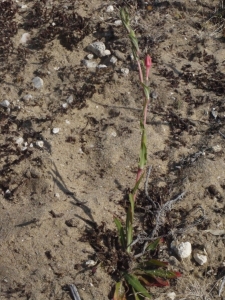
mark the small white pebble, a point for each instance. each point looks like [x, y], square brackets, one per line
[25, 38]
[118, 23]
[67, 122]
[69, 100]
[57, 195]
[113, 60]
[5, 103]
[183, 249]
[97, 48]
[217, 148]
[171, 296]
[101, 66]
[125, 71]
[90, 263]
[37, 82]
[31, 145]
[55, 130]
[65, 105]
[107, 52]
[40, 144]
[90, 56]
[19, 141]
[89, 63]
[201, 259]
[109, 9]
[27, 97]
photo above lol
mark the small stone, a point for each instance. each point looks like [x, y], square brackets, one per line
[97, 48]
[27, 97]
[118, 23]
[57, 195]
[39, 144]
[71, 222]
[55, 130]
[109, 9]
[19, 141]
[90, 263]
[201, 259]
[125, 71]
[5, 103]
[69, 100]
[183, 249]
[154, 95]
[217, 148]
[214, 113]
[89, 63]
[90, 56]
[171, 296]
[37, 82]
[113, 60]
[107, 52]
[101, 66]
[65, 105]
[25, 38]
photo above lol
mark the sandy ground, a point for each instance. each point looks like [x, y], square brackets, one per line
[52, 192]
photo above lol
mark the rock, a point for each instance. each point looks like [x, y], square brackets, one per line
[101, 66]
[90, 263]
[65, 105]
[113, 60]
[5, 103]
[90, 56]
[154, 95]
[69, 100]
[55, 130]
[107, 52]
[171, 296]
[125, 71]
[213, 190]
[183, 249]
[109, 9]
[97, 48]
[19, 141]
[37, 82]
[25, 38]
[89, 63]
[217, 148]
[201, 259]
[27, 97]
[39, 144]
[118, 23]
[71, 222]
[174, 261]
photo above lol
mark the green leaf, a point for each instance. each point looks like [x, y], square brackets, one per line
[124, 15]
[119, 293]
[136, 285]
[136, 295]
[152, 263]
[121, 233]
[162, 273]
[146, 91]
[143, 152]
[137, 184]
[152, 246]
[129, 228]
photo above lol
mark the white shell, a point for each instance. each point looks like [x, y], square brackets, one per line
[39, 144]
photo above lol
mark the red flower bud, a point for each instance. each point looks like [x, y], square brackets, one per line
[148, 64]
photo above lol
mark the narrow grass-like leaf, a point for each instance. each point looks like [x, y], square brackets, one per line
[129, 229]
[136, 295]
[121, 233]
[119, 293]
[146, 90]
[137, 184]
[152, 246]
[136, 285]
[162, 273]
[152, 263]
[125, 18]
[143, 152]
[156, 281]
